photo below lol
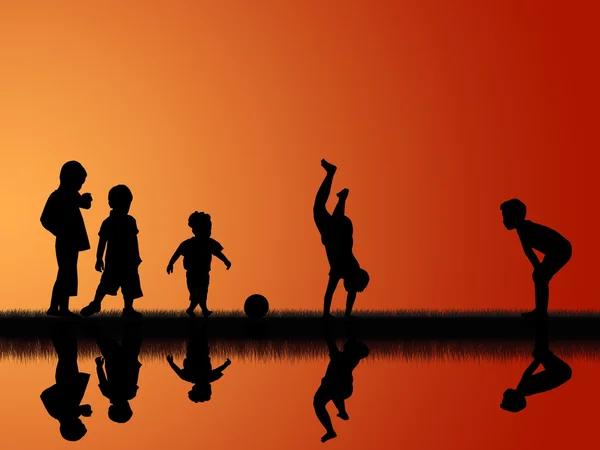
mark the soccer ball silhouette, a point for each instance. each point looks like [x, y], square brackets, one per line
[256, 306]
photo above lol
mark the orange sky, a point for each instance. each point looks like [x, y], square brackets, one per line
[435, 112]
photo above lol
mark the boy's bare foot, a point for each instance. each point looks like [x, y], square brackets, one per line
[190, 312]
[130, 312]
[343, 193]
[328, 435]
[90, 309]
[330, 168]
[343, 415]
[206, 312]
[53, 312]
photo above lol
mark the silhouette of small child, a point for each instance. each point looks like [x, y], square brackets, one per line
[197, 255]
[337, 384]
[197, 368]
[556, 372]
[120, 382]
[118, 235]
[62, 217]
[63, 400]
[556, 249]
[336, 235]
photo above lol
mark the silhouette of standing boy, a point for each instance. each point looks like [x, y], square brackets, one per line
[197, 255]
[556, 373]
[556, 249]
[119, 383]
[197, 368]
[62, 217]
[118, 235]
[337, 384]
[336, 235]
[63, 399]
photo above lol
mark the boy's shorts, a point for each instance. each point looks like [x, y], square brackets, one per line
[127, 281]
[66, 257]
[197, 283]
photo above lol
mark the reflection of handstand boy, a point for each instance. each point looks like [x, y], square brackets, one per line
[336, 385]
[556, 372]
[62, 217]
[120, 382]
[63, 400]
[336, 236]
[197, 255]
[556, 249]
[118, 235]
[197, 368]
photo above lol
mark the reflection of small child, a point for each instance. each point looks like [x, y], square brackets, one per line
[197, 368]
[62, 217]
[556, 249]
[118, 235]
[120, 382]
[197, 255]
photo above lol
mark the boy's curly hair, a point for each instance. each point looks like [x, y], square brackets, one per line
[199, 220]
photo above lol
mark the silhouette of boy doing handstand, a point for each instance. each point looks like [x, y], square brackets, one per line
[197, 255]
[556, 249]
[118, 236]
[336, 235]
[197, 368]
[62, 217]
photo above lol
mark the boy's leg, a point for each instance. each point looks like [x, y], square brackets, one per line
[320, 213]
[95, 305]
[66, 280]
[203, 282]
[192, 283]
[340, 404]
[549, 266]
[320, 400]
[331, 286]
[132, 289]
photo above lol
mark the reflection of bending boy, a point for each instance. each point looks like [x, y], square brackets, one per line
[556, 372]
[336, 235]
[63, 399]
[556, 249]
[336, 385]
[119, 383]
[197, 368]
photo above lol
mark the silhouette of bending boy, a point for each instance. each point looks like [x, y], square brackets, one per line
[197, 367]
[118, 235]
[63, 399]
[337, 384]
[119, 384]
[336, 235]
[556, 249]
[197, 255]
[556, 372]
[62, 217]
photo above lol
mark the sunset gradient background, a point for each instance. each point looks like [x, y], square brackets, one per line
[434, 111]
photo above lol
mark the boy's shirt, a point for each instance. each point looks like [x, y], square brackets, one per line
[120, 232]
[542, 238]
[197, 253]
[199, 370]
[62, 217]
[64, 400]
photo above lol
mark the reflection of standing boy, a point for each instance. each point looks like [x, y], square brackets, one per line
[62, 217]
[556, 249]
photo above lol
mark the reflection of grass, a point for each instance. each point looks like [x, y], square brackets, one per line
[299, 350]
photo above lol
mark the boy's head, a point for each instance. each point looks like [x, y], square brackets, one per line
[72, 175]
[200, 224]
[357, 281]
[357, 349]
[120, 198]
[513, 213]
[73, 429]
[513, 401]
[120, 412]
[200, 392]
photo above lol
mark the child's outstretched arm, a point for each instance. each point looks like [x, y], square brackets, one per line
[223, 258]
[173, 260]
[100, 254]
[174, 366]
[223, 366]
